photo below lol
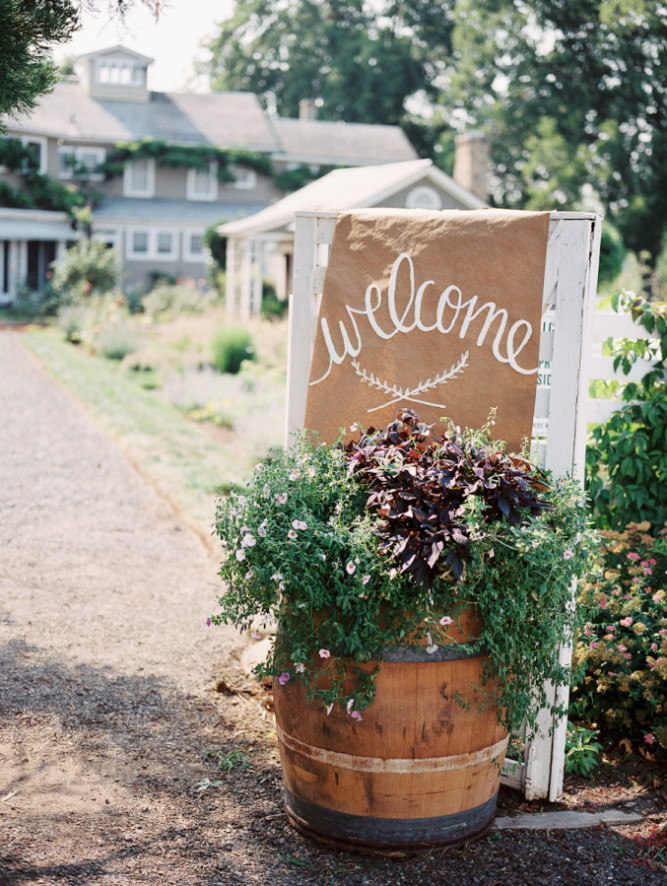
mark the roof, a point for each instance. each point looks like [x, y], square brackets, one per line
[169, 212]
[352, 188]
[328, 143]
[116, 50]
[224, 119]
[34, 224]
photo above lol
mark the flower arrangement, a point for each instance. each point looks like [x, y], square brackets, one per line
[388, 541]
[620, 658]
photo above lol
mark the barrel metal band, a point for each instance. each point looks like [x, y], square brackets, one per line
[396, 764]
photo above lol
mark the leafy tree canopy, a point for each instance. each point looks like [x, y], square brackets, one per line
[360, 61]
[570, 92]
[573, 96]
[28, 31]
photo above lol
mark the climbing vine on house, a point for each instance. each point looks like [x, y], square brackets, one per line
[201, 156]
[39, 191]
[183, 157]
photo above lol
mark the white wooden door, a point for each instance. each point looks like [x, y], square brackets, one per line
[559, 424]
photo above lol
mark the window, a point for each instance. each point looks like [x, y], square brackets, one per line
[77, 160]
[193, 246]
[165, 243]
[37, 147]
[139, 178]
[202, 184]
[152, 244]
[244, 179]
[139, 243]
[423, 197]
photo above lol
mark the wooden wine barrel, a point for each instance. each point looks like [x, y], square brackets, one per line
[416, 773]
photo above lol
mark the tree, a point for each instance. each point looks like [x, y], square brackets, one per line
[360, 62]
[573, 96]
[28, 30]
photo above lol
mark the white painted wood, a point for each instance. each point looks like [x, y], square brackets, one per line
[568, 307]
[610, 325]
[230, 278]
[578, 256]
[302, 319]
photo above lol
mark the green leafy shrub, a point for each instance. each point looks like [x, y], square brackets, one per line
[230, 346]
[272, 307]
[626, 458]
[116, 339]
[87, 269]
[582, 752]
[620, 659]
[305, 547]
[167, 300]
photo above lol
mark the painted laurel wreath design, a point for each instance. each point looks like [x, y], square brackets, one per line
[409, 394]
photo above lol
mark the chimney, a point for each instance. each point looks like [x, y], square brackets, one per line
[307, 109]
[471, 163]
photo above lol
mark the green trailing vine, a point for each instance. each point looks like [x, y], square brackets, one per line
[183, 157]
[43, 192]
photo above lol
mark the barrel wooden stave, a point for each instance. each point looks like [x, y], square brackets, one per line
[418, 764]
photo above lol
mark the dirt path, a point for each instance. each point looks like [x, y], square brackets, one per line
[108, 701]
[106, 663]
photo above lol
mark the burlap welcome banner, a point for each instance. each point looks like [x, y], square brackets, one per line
[436, 311]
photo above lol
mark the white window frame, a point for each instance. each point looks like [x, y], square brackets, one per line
[245, 178]
[152, 236]
[191, 191]
[41, 141]
[418, 197]
[188, 255]
[78, 151]
[149, 190]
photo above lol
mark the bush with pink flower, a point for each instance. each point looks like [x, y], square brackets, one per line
[620, 679]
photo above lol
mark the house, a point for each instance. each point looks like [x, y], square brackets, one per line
[158, 169]
[262, 245]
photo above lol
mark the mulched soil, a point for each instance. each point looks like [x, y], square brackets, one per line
[133, 748]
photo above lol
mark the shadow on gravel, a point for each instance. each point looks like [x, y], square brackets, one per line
[178, 819]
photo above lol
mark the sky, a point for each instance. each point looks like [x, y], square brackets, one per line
[173, 40]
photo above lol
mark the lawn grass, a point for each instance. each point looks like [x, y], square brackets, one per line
[187, 464]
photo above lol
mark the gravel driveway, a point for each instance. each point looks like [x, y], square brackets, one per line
[108, 701]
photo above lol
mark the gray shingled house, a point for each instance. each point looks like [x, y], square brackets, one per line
[159, 168]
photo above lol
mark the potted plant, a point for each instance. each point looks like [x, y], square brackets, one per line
[420, 589]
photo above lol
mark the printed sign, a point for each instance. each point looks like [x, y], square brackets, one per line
[436, 311]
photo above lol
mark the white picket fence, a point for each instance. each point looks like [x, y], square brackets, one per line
[570, 355]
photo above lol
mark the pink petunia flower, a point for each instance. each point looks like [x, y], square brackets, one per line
[568, 554]
[356, 716]
[446, 620]
[324, 653]
[284, 678]
[633, 556]
[648, 738]
[292, 534]
[299, 524]
[350, 568]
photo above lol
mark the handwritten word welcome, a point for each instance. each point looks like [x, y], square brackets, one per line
[451, 313]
